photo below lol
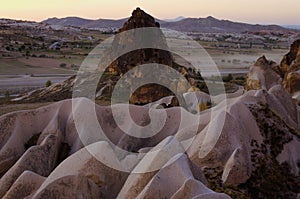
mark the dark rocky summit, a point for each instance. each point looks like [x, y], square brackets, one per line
[139, 19]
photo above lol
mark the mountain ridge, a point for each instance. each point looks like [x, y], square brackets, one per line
[208, 24]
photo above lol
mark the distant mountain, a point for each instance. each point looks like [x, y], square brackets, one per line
[86, 23]
[68, 21]
[209, 24]
[295, 27]
[175, 20]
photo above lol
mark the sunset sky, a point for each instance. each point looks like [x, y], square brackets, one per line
[254, 11]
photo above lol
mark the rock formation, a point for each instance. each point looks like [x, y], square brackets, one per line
[265, 74]
[262, 75]
[290, 65]
[243, 147]
[249, 155]
[123, 63]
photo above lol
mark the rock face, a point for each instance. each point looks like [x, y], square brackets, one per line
[125, 62]
[265, 74]
[290, 61]
[262, 75]
[118, 66]
[139, 19]
[290, 65]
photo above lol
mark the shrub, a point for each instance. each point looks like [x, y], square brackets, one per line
[74, 66]
[228, 78]
[241, 78]
[63, 65]
[7, 94]
[48, 83]
[27, 53]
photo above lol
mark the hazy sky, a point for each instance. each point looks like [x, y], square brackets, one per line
[252, 11]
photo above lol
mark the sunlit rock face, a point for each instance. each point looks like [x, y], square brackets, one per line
[262, 75]
[291, 60]
[265, 74]
[290, 65]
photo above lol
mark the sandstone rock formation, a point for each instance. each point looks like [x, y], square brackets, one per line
[290, 65]
[265, 74]
[290, 61]
[247, 155]
[262, 75]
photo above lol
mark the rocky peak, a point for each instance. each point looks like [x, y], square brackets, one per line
[290, 65]
[211, 18]
[293, 55]
[128, 40]
[263, 73]
[139, 19]
[124, 63]
[294, 51]
[263, 61]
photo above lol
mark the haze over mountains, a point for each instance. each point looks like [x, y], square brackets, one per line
[295, 27]
[208, 24]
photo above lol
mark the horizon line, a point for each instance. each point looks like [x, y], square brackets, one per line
[166, 19]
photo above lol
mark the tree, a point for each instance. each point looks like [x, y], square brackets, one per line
[63, 65]
[7, 95]
[27, 53]
[48, 83]
[228, 78]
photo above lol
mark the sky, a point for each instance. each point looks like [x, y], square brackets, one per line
[250, 11]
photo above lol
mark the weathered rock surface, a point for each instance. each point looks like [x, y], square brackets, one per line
[291, 60]
[244, 150]
[291, 66]
[262, 75]
[265, 74]
[27, 183]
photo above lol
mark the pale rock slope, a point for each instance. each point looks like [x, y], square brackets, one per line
[243, 147]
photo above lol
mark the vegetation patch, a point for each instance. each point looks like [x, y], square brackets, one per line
[270, 178]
